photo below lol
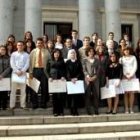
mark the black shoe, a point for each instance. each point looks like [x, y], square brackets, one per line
[108, 112]
[96, 113]
[55, 114]
[89, 112]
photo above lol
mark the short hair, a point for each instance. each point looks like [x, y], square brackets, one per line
[89, 49]
[20, 41]
[110, 33]
[95, 33]
[86, 37]
[74, 31]
[39, 39]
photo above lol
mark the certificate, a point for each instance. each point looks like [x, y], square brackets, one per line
[115, 82]
[19, 79]
[57, 86]
[33, 83]
[5, 84]
[75, 88]
[108, 92]
[131, 85]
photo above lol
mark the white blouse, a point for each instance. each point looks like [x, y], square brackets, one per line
[129, 64]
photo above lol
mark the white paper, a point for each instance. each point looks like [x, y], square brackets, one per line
[131, 85]
[108, 92]
[57, 86]
[75, 88]
[115, 82]
[5, 84]
[19, 79]
[34, 84]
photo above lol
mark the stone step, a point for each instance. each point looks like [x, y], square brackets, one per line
[74, 128]
[48, 111]
[102, 136]
[33, 120]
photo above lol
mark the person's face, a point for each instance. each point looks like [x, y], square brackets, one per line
[29, 44]
[39, 44]
[2, 51]
[126, 37]
[122, 43]
[45, 38]
[86, 42]
[20, 46]
[28, 36]
[68, 43]
[91, 53]
[74, 35]
[59, 39]
[99, 42]
[72, 55]
[56, 55]
[113, 58]
[100, 50]
[9, 47]
[94, 37]
[50, 45]
[11, 39]
[110, 44]
[110, 36]
[126, 52]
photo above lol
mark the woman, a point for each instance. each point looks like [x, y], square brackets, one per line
[74, 73]
[129, 64]
[137, 53]
[58, 42]
[91, 72]
[57, 71]
[45, 40]
[5, 72]
[50, 47]
[28, 36]
[113, 72]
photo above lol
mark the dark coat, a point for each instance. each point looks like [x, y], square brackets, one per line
[5, 69]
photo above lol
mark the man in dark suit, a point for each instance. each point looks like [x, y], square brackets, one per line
[77, 43]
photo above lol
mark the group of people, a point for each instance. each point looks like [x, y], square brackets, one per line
[91, 60]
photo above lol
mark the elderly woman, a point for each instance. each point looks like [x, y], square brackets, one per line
[74, 73]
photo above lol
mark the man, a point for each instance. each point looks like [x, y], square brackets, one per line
[19, 63]
[111, 37]
[77, 43]
[38, 63]
[82, 50]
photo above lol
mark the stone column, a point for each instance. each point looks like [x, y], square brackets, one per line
[113, 19]
[87, 18]
[6, 19]
[33, 17]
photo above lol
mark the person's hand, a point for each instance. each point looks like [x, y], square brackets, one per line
[62, 78]
[74, 80]
[19, 73]
[30, 76]
[107, 84]
[117, 84]
[50, 79]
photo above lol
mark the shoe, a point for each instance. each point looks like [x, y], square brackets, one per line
[131, 112]
[109, 112]
[24, 108]
[126, 112]
[114, 112]
[55, 114]
[96, 113]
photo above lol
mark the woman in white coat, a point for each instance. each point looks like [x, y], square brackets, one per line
[129, 64]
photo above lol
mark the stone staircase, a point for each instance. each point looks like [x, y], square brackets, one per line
[83, 127]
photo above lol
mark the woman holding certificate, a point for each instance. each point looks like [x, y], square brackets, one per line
[57, 71]
[129, 64]
[5, 71]
[91, 72]
[74, 73]
[113, 76]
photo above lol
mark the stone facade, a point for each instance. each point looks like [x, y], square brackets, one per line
[68, 11]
